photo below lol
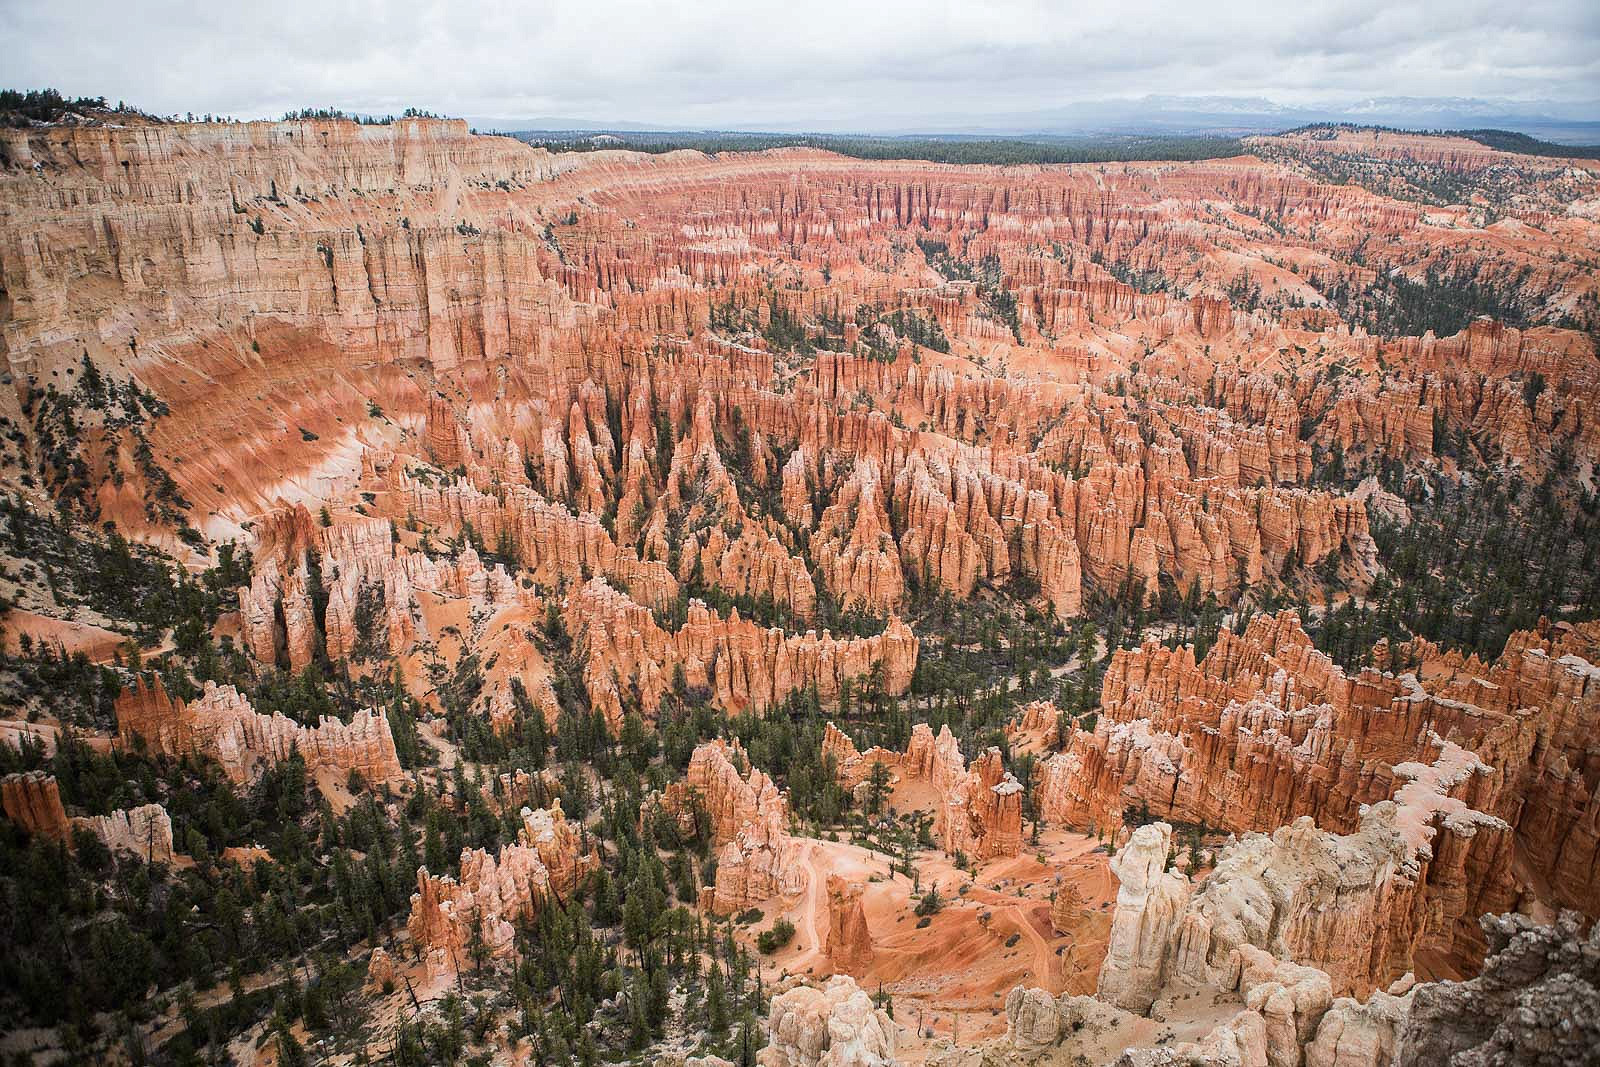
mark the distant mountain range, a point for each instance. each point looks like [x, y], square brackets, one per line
[1229, 116]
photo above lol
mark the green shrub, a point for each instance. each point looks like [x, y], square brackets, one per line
[772, 940]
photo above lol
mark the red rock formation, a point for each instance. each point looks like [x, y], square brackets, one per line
[462, 923]
[32, 800]
[979, 812]
[1266, 731]
[222, 726]
[749, 824]
[742, 664]
[849, 943]
[621, 375]
[380, 970]
[735, 801]
[1416, 875]
[854, 549]
[1036, 728]
[593, 355]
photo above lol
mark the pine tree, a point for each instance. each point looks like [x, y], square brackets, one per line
[290, 1053]
[716, 1002]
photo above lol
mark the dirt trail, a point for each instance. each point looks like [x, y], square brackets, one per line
[1042, 956]
[816, 889]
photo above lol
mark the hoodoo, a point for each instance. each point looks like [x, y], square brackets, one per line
[816, 601]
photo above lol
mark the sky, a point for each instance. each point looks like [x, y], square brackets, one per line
[825, 64]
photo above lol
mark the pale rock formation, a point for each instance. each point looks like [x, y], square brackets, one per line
[1358, 907]
[144, 831]
[1033, 1021]
[1285, 1018]
[1150, 905]
[832, 1026]
[1356, 1034]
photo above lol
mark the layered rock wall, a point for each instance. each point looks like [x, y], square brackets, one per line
[32, 800]
[1266, 729]
[1359, 908]
[742, 665]
[221, 725]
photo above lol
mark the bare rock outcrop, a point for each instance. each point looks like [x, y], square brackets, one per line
[1536, 1001]
[1150, 905]
[462, 923]
[222, 725]
[1266, 729]
[743, 665]
[1358, 907]
[380, 970]
[849, 942]
[835, 1025]
[748, 818]
[979, 810]
[33, 801]
[144, 831]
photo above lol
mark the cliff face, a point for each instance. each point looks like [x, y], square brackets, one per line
[1266, 730]
[1357, 907]
[743, 665]
[33, 801]
[221, 725]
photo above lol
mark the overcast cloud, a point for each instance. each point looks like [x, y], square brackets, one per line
[838, 63]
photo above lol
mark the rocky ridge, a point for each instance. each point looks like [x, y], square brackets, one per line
[222, 725]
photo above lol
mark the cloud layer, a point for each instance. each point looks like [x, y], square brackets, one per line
[839, 63]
